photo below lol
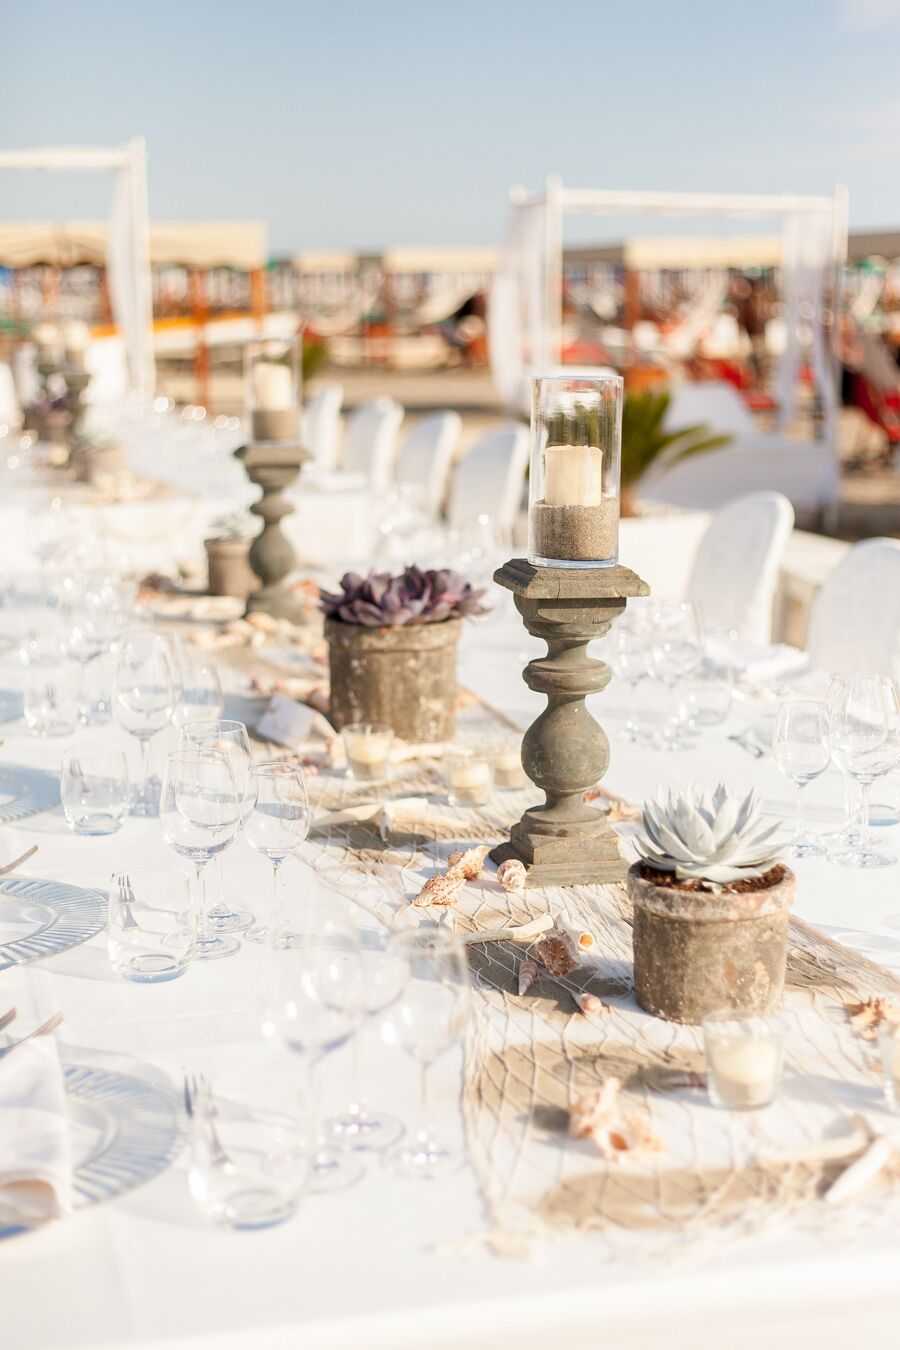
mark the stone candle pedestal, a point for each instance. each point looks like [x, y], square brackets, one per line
[273, 467]
[565, 841]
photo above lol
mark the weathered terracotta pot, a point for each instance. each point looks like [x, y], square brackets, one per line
[696, 952]
[405, 677]
[230, 572]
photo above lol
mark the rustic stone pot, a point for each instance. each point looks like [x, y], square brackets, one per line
[697, 952]
[230, 572]
[405, 677]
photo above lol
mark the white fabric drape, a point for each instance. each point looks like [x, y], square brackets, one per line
[128, 271]
[807, 272]
[518, 323]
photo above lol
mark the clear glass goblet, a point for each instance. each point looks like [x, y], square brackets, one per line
[231, 739]
[143, 701]
[802, 753]
[865, 741]
[277, 825]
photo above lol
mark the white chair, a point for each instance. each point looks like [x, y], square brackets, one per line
[10, 412]
[489, 482]
[735, 572]
[322, 426]
[854, 621]
[712, 403]
[370, 441]
[426, 456]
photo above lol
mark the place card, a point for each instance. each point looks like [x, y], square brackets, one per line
[285, 722]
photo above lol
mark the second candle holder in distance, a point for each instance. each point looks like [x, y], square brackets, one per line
[576, 438]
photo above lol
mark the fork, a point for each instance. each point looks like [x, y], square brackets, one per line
[43, 1030]
[198, 1105]
[127, 897]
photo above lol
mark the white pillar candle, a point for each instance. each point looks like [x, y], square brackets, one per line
[46, 337]
[75, 339]
[745, 1070]
[573, 475]
[273, 386]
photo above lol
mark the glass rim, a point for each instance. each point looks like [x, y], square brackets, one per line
[760, 1024]
[577, 376]
[361, 728]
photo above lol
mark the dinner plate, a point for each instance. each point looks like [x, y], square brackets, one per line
[25, 791]
[41, 918]
[123, 1132]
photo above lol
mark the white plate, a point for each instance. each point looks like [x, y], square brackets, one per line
[24, 792]
[41, 918]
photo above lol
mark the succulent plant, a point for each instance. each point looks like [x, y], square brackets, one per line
[380, 600]
[717, 838]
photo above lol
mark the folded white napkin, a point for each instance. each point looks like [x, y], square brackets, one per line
[757, 662]
[35, 1161]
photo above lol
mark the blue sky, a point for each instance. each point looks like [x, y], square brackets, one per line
[365, 123]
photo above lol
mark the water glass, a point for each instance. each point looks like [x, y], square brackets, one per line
[51, 699]
[201, 697]
[743, 1059]
[676, 650]
[864, 729]
[277, 825]
[144, 698]
[802, 752]
[152, 925]
[93, 789]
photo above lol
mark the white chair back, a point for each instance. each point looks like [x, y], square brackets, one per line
[426, 456]
[854, 621]
[10, 412]
[322, 425]
[735, 572]
[713, 403]
[370, 441]
[489, 480]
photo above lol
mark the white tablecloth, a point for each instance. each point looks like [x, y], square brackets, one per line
[381, 1265]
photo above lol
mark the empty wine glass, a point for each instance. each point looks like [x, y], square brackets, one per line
[384, 972]
[316, 1005]
[144, 699]
[426, 1021]
[231, 739]
[865, 742]
[627, 651]
[200, 811]
[200, 697]
[802, 752]
[675, 650]
[277, 825]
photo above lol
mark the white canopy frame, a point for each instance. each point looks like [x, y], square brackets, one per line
[128, 249]
[527, 295]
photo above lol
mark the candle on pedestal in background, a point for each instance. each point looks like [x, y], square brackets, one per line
[573, 475]
[276, 416]
[46, 339]
[76, 336]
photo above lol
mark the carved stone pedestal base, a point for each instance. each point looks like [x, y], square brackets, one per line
[566, 842]
[274, 468]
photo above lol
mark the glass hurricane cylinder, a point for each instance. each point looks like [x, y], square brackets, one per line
[576, 441]
[272, 389]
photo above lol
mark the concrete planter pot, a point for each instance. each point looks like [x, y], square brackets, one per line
[230, 572]
[405, 677]
[700, 952]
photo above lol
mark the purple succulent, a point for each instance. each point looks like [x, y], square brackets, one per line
[382, 601]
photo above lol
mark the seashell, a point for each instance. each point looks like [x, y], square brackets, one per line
[558, 952]
[590, 1004]
[861, 1171]
[528, 973]
[511, 875]
[866, 1016]
[617, 1134]
[469, 863]
[669, 1080]
[440, 889]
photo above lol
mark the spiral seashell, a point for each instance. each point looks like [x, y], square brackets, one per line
[440, 889]
[528, 973]
[558, 952]
[511, 875]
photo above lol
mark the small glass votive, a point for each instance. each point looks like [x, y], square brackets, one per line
[705, 697]
[272, 379]
[469, 775]
[93, 789]
[152, 926]
[743, 1059]
[51, 701]
[889, 1040]
[509, 775]
[367, 746]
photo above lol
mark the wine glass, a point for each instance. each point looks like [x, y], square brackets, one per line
[316, 1005]
[201, 697]
[426, 1021]
[231, 739]
[144, 699]
[200, 810]
[802, 752]
[277, 825]
[865, 742]
[384, 973]
[627, 651]
[675, 651]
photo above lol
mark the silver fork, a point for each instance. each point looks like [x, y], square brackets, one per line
[43, 1030]
[200, 1108]
[127, 897]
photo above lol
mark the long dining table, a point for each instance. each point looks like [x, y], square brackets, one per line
[392, 1264]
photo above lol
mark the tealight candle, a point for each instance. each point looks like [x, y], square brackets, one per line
[76, 335]
[889, 1037]
[367, 746]
[469, 776]
[508, 771]
[743, 1060]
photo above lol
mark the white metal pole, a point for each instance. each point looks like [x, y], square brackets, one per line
[553, 246]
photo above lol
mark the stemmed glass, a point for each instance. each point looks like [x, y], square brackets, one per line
[229, 738]
[200, 811]
[144, 700]
[277, 825]
[628, 654]
[675, 650]
[865, 742]
[802, 752]
[200, 697]
[426, 1021]
[384, 973]
[95, 623]
[316, 1006]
